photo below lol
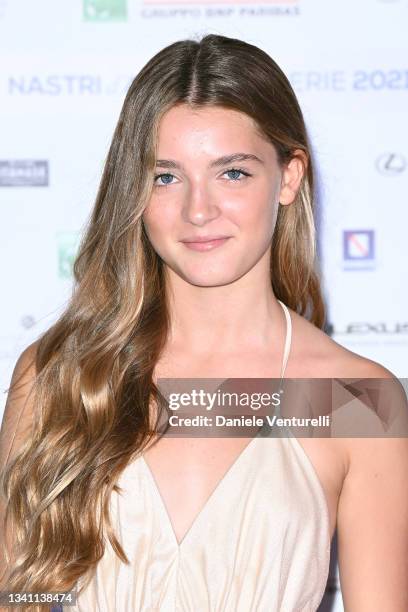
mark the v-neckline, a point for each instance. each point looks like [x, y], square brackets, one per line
[227, 474]
[210, 499]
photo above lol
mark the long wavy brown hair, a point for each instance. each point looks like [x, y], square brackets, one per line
[94, 384]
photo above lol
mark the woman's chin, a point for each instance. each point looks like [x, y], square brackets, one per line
[208, 278]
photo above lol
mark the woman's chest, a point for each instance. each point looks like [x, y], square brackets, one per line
[187, 471]
[186, 483]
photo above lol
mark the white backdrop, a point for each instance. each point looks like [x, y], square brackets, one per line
[64, 72]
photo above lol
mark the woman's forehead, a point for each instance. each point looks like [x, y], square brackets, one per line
[215, 130]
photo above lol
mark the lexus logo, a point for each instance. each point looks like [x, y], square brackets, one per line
[391, 164]
[368, 327]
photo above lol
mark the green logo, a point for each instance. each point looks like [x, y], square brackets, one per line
[67, 248]
[105, 10]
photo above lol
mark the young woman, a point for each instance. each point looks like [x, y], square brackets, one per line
[198, 262]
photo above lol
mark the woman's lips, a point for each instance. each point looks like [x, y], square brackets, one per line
[208, 245]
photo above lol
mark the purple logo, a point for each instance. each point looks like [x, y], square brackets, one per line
[358, 245]
[24, 173]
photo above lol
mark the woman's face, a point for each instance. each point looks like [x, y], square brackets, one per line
[199, 194]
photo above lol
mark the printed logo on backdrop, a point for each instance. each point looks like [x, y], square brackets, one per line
[67, 246]
[391, 164]
[105, 10]
[358, 249]
[94, 84]
[359, 80]
[236, 9]
[69, 85]
[27, 321]
[379, 333]
[373, 328]
[24, 173]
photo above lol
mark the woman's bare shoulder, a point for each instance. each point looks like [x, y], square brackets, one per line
[18, 412]
[16, 427]
[318, 355]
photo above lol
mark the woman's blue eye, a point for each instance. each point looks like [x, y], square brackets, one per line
[230, 170]
[237, 170]
[160, 176]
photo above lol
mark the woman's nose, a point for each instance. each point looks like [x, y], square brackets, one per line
[200, 205]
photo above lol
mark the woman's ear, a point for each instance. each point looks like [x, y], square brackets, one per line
[292, 175]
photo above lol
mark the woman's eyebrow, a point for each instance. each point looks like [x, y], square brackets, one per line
[220, 161]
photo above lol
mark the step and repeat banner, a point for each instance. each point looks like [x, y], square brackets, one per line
[65, 69]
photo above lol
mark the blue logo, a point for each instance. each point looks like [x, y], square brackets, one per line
[358, 249]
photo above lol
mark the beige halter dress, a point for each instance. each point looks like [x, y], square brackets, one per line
[261, 543]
